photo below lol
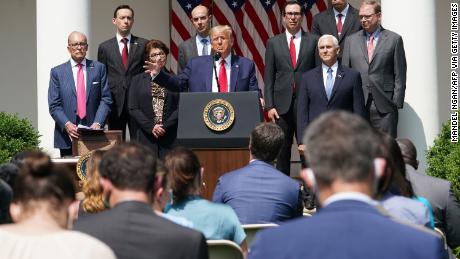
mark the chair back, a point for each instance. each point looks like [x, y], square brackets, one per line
[224, 249]
[252, 229]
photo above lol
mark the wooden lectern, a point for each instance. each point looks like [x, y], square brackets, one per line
[219, 151]
[95, 139]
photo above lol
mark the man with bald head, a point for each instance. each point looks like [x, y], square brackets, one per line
[200, 44]
[327, 87]
[78, 94]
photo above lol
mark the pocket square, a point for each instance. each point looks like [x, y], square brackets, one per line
[95, 83]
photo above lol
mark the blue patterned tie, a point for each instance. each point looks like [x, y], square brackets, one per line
[204, 51]
[329, 83]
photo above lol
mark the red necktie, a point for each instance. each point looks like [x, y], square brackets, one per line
[124, 52]
[339, 24]
[370, 47]
[292, 52]
[81, 93]
[223, 77]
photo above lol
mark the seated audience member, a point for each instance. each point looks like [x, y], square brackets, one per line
[215, 221]
[438, 191]
[9, 172]
[6, 194]
[343, 169]
[162, 197]
[43, 193]
[130, 227]
[94, 200]
[258, 192]
[395, 192]
[152, 107]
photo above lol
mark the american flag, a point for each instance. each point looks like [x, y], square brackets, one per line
[253, 23]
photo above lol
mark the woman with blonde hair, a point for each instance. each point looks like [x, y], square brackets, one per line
[94, 197]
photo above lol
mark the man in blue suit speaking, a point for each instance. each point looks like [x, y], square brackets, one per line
[78, 94]
[234, 73]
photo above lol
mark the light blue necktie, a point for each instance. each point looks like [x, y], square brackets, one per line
[329, 83]
[204, 51]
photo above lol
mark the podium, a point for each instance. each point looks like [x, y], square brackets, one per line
[95, 139]
[219, 150]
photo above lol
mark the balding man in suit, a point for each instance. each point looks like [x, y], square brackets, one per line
[378, 54]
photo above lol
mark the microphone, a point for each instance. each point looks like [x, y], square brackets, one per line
[216, 57]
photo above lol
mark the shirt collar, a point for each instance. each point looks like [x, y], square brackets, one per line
[334, 67]
[228, 60]
[119, 37]
[356, 196]
[343, 12]
[376, 33]
[297, 35]
[200, 38]
[73, 63]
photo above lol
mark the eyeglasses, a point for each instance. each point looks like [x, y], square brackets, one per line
[78, 44]
[293, 14]
[366, 17]
[160, 54]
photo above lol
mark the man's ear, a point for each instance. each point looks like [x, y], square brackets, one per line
[15, 212]
[308, 177]
[379, 167]
[106, 184]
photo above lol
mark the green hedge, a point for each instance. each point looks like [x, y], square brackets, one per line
[16, 135]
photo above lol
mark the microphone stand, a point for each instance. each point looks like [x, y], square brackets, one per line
[216, 57]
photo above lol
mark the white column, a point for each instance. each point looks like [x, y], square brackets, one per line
[416, 22]
[56, 19]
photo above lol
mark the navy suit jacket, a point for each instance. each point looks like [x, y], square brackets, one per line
[259, 193]
[197, 76]
[347, 94]
[62, 98]
[347, 229]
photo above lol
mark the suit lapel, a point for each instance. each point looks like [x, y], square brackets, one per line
[338, 80]
[193, 48]
[234, 73]
[380, 43]
[133, 46]
[70, 79]
[208, 80]
[363, 45]
[331, 23]
[320, 79]
[116, 53]
[283, 43]
[89, 77]
[303, 42]
[347, 24]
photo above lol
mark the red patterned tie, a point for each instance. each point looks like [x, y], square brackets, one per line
[81, 93]
[124, 52]
[339, 24]
[370, 47]
[292, 52]
[223, 77]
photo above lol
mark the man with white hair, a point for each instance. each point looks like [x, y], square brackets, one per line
[327, 87]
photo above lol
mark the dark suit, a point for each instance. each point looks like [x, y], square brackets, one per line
[187, 50]
[279, 78]
[132, 230]
[197, 76]
[347, 94]
[442, 198]
[141, 111]
[62, 99]
[325, 23]
[259, 193]
[346, 229]
[384, 78]
[119, 78]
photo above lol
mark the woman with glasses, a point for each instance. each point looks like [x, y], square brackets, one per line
[152, 107]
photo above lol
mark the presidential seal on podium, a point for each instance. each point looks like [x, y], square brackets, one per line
[218, 115]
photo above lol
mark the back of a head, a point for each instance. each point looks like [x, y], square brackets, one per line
[184, 168]
[340, 146]
[92, 187]
[129, 166]
[41, 180]
[9, 172]
[408, 151]
[266, 141]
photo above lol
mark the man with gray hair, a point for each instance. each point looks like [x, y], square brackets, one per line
[327, 87]
[343, 169]
[234, 73]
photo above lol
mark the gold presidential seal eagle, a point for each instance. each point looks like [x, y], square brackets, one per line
[218, 115]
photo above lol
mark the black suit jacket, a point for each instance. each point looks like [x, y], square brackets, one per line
[132, 230]
[324, 23]
[279, 74]
[119, 78]
[347, 94]
[141, 111]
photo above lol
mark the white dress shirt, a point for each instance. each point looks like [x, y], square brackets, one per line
[199, 45]
[228, 65]
[121, 45]
[297, 40]
[74, 66]
[334, 72]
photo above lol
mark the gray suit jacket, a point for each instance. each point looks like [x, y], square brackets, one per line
[280, 74]
[446, 208]
[385, 76]
[324, 23]
[187, 50]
